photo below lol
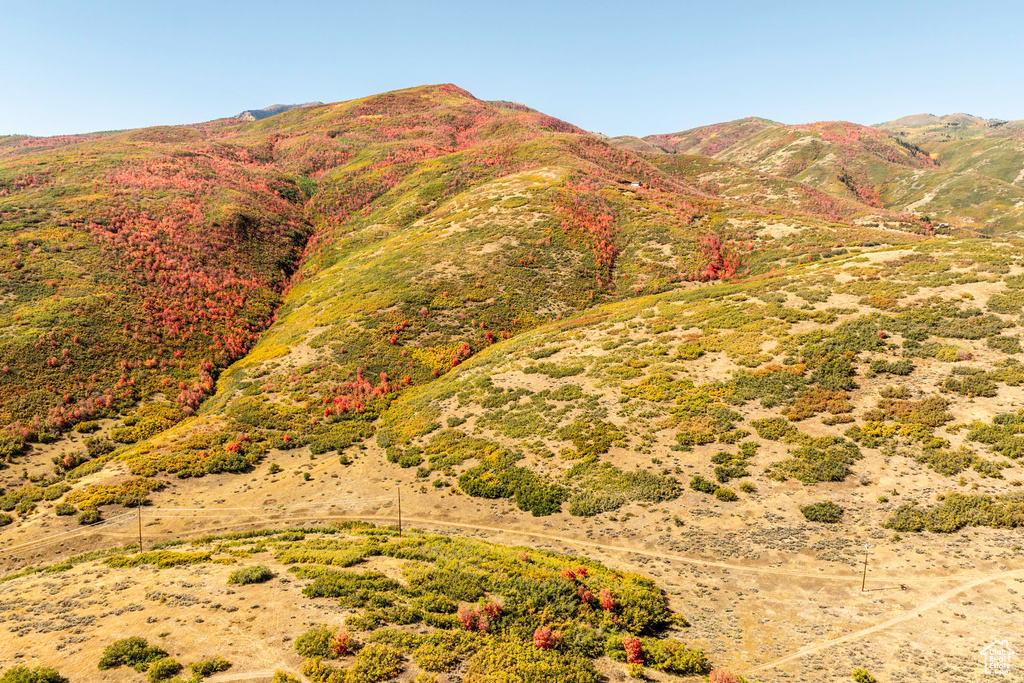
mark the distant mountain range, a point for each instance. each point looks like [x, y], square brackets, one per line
[962, 169]
[272, 110]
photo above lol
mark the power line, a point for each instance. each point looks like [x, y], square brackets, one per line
[86, 529]
[205, 513]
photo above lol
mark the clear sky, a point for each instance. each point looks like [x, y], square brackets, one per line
[615, 67]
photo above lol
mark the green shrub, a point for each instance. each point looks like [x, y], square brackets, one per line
[87, 427]
[973, 386]
[481, 481]
[907, 517]
[834, 374]
[603, 487]
[97, 447]
[1008, 345]
[23, 674]
[56, 491]
[774, 429]
[669, 655]
[826, 458]
[162, 559]
[502, 479]
[825, 512]
[162, 669]
[5, 519]
[590, 438]
[149, 420]
[747, 487]
[134, 652]
[64, 509]
[725, 495]
[375, 662]
[862, 676]
[209, 667]
[316, 642]
[589, 503]
[284, 677]
[255, 574]
[514, 660]
[699, 483]
[435, 657]
[732, 465]
[900, 367]
[554, 370]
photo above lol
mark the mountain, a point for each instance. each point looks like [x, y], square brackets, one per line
[710, 140]
[722, 374]
[273, 110]
[916, 166]
[992, 148]
[927, 127]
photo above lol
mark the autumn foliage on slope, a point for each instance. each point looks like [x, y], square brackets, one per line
[143, 262]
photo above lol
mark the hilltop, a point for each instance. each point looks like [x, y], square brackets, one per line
[957, 169]
[927, 127]
[727, 370]
[273, 110]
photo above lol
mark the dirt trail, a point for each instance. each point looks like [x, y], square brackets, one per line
[906, 616]
[253, 675]
[853, 577]
[269, 518]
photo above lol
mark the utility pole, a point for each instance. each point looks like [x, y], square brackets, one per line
[399, 510]
[864, 578]
[139, 509]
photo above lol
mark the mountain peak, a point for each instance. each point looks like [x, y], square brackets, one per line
[272, 110]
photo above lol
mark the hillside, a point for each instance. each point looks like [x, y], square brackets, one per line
[958, 169]
[456, 223]
[710, 140]
[968, 144]
[723, 373]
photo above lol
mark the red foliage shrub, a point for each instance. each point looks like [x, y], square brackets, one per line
[341, 644]
[722, 260]
[545, 638]
[467, 617]
[722, 676]
[634, 650]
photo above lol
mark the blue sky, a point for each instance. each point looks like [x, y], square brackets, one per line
[613, 67]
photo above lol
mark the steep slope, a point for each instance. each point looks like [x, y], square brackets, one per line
[136, 263]
[437, 224]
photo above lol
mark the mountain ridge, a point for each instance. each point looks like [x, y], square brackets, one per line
[273, 110]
